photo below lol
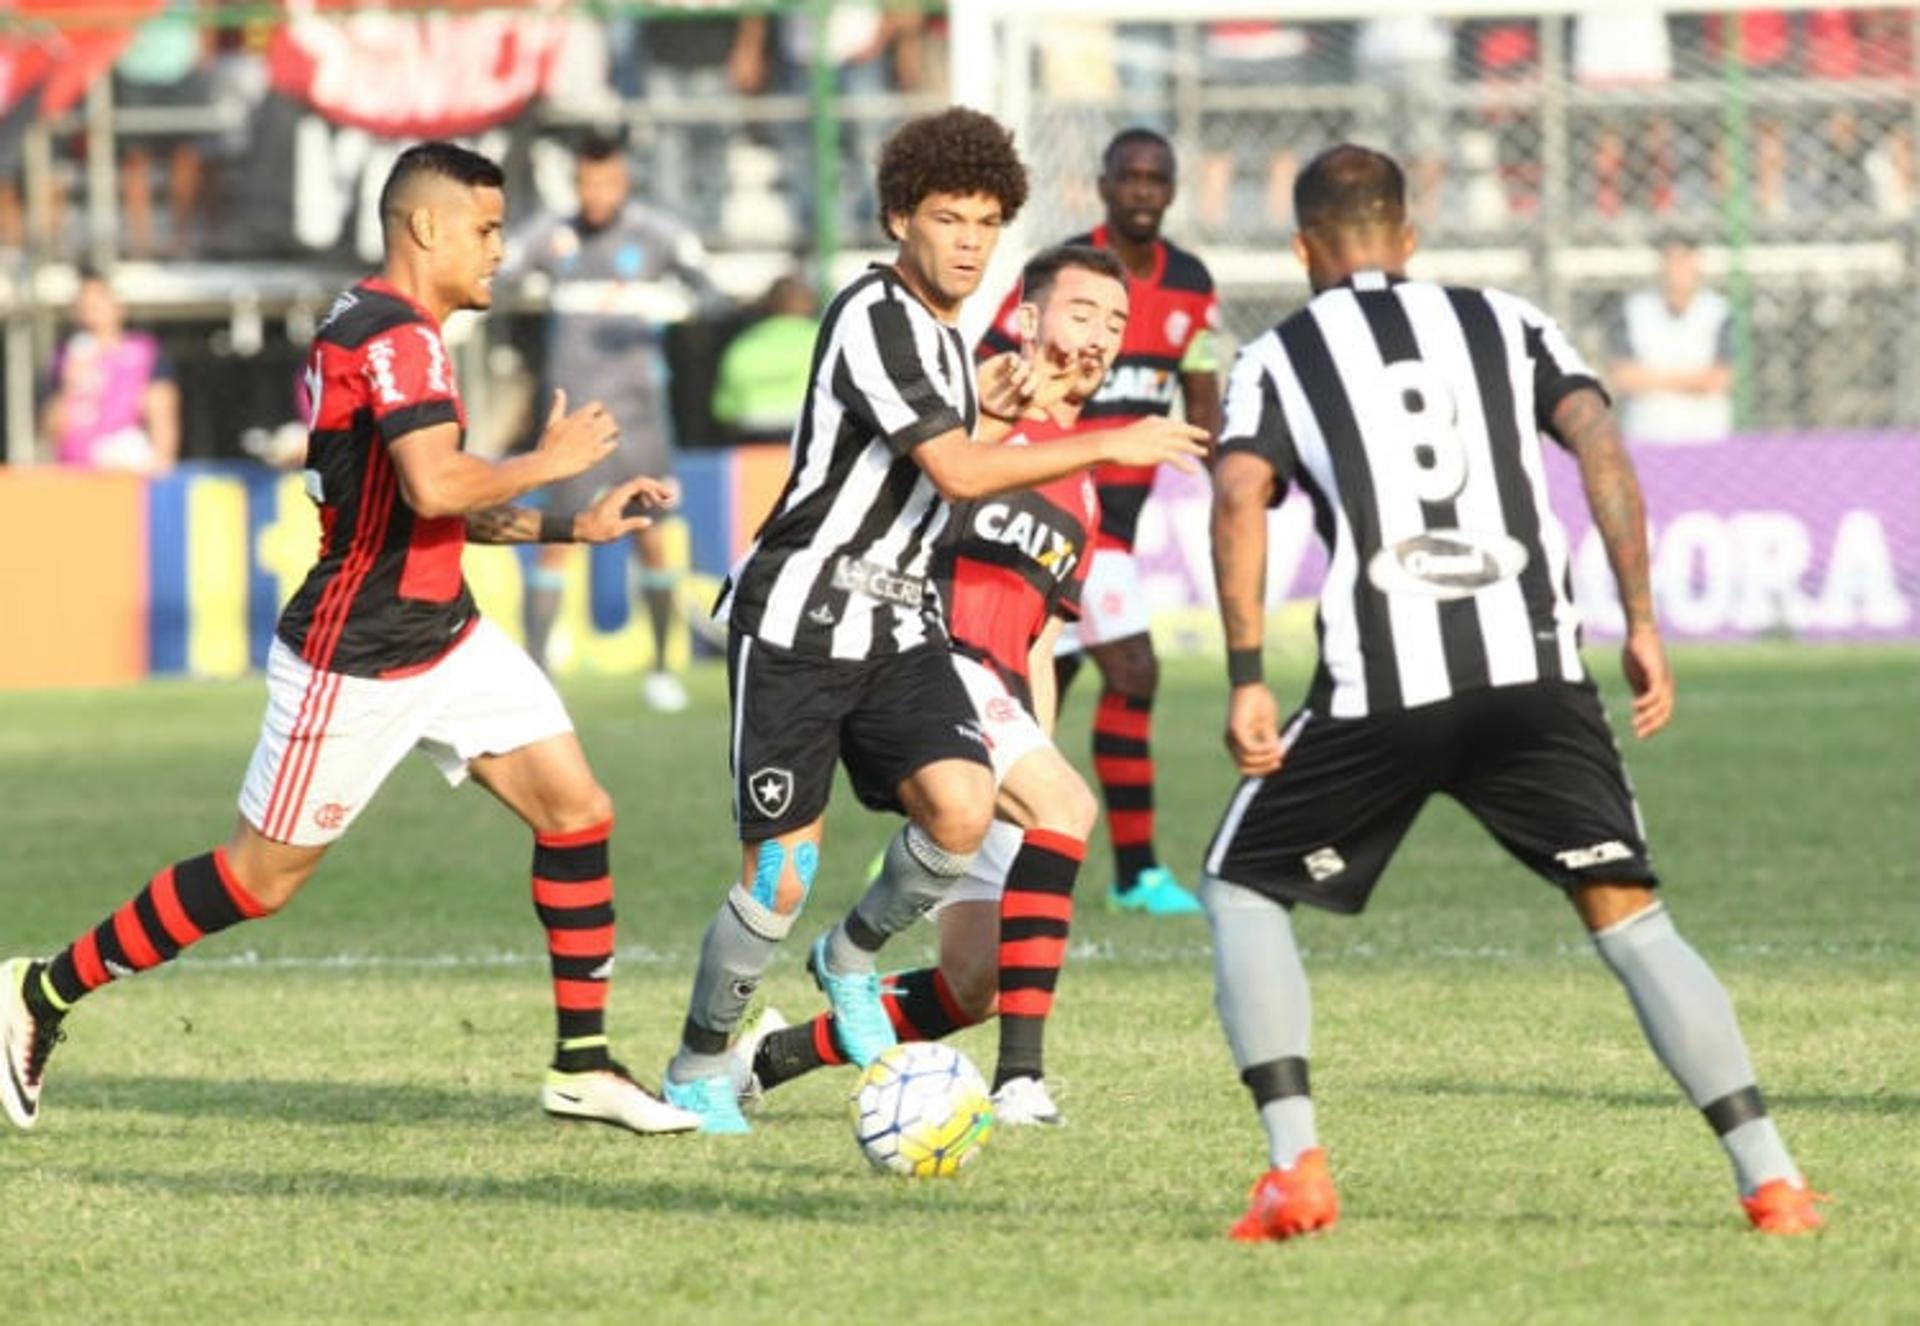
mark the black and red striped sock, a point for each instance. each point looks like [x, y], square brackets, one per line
[1036, 909]
[573, 893]
[1123, 762]
[920, 1004]
[179, 906]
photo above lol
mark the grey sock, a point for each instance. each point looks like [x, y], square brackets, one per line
[1260, 991]
[915, 874]
[1689, 1021]
[734, 954]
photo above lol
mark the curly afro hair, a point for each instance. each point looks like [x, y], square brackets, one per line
[952, 151]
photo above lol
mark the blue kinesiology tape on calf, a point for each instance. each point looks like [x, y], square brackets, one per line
[766, 873]
[806, 864]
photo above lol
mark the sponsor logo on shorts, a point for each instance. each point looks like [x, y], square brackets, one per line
[1446, 563]
[1002, 709]
[771, 791]
[330, 815]
[1323, 864]
[972, 732]
[877, 582]
[1600, 854]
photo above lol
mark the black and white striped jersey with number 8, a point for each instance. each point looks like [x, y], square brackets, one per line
[1411, 414]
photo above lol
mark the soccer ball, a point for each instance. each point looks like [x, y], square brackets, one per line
[921, 1110]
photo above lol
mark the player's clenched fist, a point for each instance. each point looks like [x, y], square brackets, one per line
[1253, 731]
[1157, 440]
[579, 440]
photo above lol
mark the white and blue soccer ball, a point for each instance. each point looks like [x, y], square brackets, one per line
[921, 1110]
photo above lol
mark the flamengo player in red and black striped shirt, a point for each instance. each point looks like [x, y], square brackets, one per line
[381, 651]
[1169, 345]
[1010, 570]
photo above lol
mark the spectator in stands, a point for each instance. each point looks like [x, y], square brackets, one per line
[112, 404]
[15, 112]
[692, 66]
[1246, 172]
[1627, 46]
[873, 50]
[762, 380]
[1672, 356]
[617, 268]
[166, 67]
[1410, 58]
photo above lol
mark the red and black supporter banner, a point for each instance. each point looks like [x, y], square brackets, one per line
[399, 74]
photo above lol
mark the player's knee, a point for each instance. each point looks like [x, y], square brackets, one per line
[1603, 906]
[959, 811]
[1133, 670]
[592, 806]
[1069, 808]
[959, 825]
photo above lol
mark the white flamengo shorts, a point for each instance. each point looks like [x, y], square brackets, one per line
[1012, 734]
[328, 740]
[1111, 604]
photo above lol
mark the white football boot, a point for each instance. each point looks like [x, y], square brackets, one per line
[664, 693]
[25, 1043]
[610, 1095]
[746, 1084]
[1025, 1102]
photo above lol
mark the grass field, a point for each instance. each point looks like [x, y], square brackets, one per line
[330, 1115]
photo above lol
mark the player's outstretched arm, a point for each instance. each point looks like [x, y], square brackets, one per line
[1243, 487]
[963, 469]
[1586, 425]
[619, 512]
[439, 479]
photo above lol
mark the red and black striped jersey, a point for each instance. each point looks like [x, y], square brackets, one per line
[386, 594]
[1007, 563]
[1170, 310]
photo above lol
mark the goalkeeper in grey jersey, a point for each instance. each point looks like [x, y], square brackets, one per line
[617, 274]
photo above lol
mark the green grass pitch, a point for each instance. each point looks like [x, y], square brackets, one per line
[331, 1116]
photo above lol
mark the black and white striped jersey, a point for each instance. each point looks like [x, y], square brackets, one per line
[1412, 414]
[840, 568]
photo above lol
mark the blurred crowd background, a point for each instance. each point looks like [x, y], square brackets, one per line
[1751, 171]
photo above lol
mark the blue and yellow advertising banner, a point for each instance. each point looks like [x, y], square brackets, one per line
[106, 578]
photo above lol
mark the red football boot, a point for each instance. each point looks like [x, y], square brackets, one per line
[1785, 1207]
[1287, 1202]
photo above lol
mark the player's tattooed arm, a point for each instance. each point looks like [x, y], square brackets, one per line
[1586, 425]
[507, 524]
[623, 509]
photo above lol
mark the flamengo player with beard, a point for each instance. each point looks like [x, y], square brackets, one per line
[1010, 572]
[1168, 351]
